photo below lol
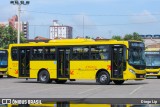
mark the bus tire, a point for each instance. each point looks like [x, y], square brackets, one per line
[60, 81]
[44, 76]
[103, 78]
[118, 82]
[158, 77]
[1, 76]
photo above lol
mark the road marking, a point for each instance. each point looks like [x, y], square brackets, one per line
[135, 90]
[46, 89]
[89, 90]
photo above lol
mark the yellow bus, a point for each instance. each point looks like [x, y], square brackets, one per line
[3, 62]
[153, 62]
[71, 59]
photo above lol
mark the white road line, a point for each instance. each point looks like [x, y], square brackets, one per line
[89, 90]
[45, 89]
[135, 90]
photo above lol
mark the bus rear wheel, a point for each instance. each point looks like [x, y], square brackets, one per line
[1, 76]
[60, 81]
[103, 78]
[44, 77]
[118, 82]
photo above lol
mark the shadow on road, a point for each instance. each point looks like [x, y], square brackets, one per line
[81, 83]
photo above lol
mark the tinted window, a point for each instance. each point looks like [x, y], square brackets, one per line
[80, 53]
[99, 52]
[37, 53]
[14, 53]
[49, 53]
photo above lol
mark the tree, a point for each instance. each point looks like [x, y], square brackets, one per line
[134, 36]
[8, 35]
[137, 37]
[117, 37]
[128, 37]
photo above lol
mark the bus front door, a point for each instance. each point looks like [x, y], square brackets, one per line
[63, 56]
[117, 60]
[24, 62]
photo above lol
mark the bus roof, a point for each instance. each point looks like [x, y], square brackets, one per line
[65, 42]
[70, 40]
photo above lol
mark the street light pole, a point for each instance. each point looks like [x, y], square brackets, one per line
[19, 10]
[16, 2]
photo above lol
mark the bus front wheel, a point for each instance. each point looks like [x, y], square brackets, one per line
[1, 76]
[60, 81]
[44, 77]
[118, 82]
[103, 78]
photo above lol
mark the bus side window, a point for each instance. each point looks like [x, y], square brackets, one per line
[49, 53]
[75, 56]
[95, 56]
[100, 52]
[37, 53]
[14, 53]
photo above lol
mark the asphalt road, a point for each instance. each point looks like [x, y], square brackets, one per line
[21, 88]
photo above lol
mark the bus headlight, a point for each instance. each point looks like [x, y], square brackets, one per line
[132, 71]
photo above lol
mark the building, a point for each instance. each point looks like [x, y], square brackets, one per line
[151, 41]
[24, 26]
[13, 22]
[60, 31]
[156, 45]
[4, 24]
[39, 39]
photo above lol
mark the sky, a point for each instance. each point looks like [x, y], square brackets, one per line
[94, 18]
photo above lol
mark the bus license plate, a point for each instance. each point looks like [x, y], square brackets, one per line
[141, 76]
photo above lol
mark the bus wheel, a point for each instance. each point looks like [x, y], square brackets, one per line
[1, 76]
[103, 78]
[158, 77]
[118, 82]
[44, 77]
[60, 81]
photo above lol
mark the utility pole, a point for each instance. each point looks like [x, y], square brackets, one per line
[19, 3]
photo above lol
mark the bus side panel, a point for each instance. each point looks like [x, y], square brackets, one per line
[13, 68]
[87, 69]
[50, 66]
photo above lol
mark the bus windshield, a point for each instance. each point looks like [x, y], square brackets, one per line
[136, 56]
[152, 59]
[3, 59]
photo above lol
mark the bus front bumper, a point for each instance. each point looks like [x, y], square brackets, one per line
[155, 72]
[2, 72]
